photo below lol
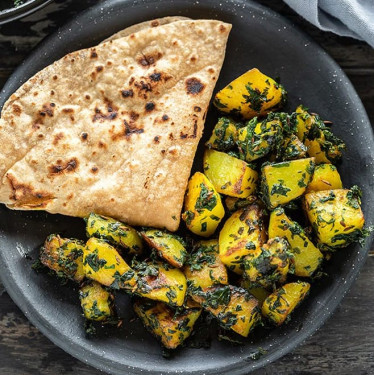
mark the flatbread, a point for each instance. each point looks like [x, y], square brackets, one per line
[143, 26]
[113, 129]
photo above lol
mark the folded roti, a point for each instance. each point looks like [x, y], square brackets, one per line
[144, 25]
[113, 129]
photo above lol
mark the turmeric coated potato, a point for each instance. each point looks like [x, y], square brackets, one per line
[224, 134]
[306, 257]
[234, 307]
[258, 139]
[336, 216]
[269, 264]
[229, 175]
[160, 282]
[64, 256]
[96, 301]
[252, 94]
[169, 246]
[280, 304]
[203, 206]
[102, 263]
[204, 267]
[171, 327]
[243, 232]
[325, 177]
[283, 182]
[115, 232]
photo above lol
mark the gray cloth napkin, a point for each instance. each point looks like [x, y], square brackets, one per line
[354, 18]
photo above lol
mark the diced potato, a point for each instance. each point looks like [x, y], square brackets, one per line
[317, 137]
[64, 256]
[243, 232]
[233, 204]
[283, 182]
[170, 327]
[304, 121]
[258, 139]
[307, 257]
[204, 267]
[293, 148]
[161, 282]
[169, 246]
[102, 263]
[280, 304]
[234, 307]
[325, 177]
[326, 148]
[259, 293]
[336, 216]
[96, 301]
[115, 232]
[229, 175]
[203, 207]
[251, 94]
[268, 265]
[224, 135]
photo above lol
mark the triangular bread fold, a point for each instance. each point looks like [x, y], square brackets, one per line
[113, 129]
[144, 26]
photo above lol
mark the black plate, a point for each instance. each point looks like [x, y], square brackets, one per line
[260, 38]
[28, 7]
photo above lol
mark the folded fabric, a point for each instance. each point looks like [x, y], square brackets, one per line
[353, 18]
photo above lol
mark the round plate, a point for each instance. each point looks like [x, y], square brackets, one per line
[23, 10]
[259, 38]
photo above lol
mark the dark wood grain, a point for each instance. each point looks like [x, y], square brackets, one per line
[344, 345]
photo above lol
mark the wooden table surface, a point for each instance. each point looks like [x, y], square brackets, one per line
[344, 345]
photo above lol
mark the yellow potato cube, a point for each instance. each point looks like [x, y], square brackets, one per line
[234, 307]
[203, 206]
[269, 264]
[229, 175]
[161, 283]
[252, 94]
[171, 327]
[204, 267]
[64, 256]
[169, 246]
[336, 216]
[96, 301]
[243, 232]
[115, 232]
[293, 148]
[102, 263]
[325, 177]
[224, 135]
[283, 182]
[306, 257]
[280, 304]
[257, 139]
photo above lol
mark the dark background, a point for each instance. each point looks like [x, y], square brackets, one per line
[344, 345]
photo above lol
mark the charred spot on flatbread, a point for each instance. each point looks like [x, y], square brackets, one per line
[155, 77]
[111, 112]
[47, 110]
[62, 167]
[194, 86]
[150, 106]
[127, 93]
[24, 195]
[148, 59]
[16, 109]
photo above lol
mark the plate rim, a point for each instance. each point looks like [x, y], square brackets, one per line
[15, 13]
[76, 350]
